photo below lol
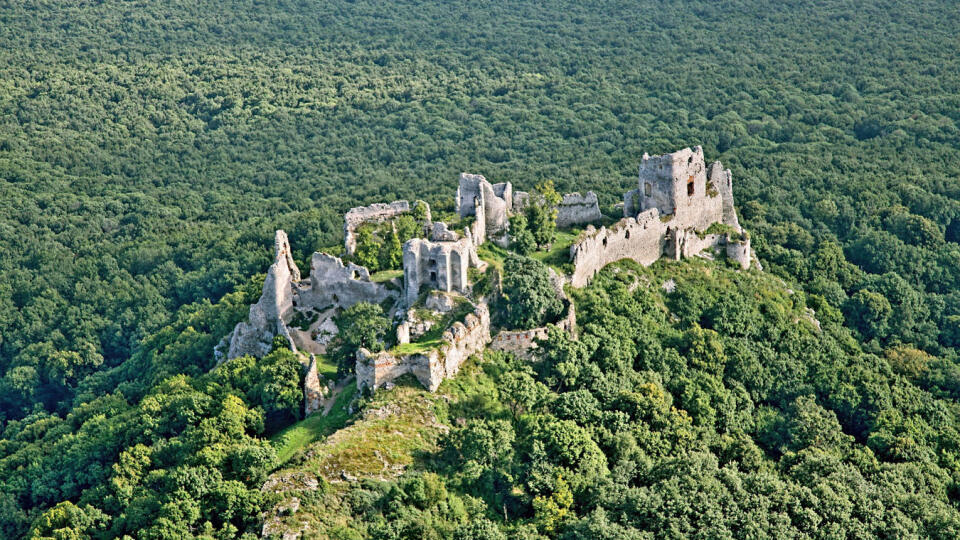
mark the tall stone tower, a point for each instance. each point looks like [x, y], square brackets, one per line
[676, 185]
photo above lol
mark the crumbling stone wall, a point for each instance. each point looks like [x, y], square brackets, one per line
[473, 191]
[676, 184]
[331, 284]
[522, 342]
[313, 391]
[268, 317]
[641, 239]
[375, 213]
[437, 265]
[721, 180]
[575, 209]
[458, 343]
[335, 283]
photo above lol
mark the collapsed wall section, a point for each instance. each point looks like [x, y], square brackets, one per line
[641, 239]
[375, 213]
[458, 343]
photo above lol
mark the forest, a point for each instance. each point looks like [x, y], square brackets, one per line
[148, 150]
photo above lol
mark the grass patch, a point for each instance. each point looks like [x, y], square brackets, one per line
[396, 427]
[385, 275]
[558, 256]
[433, 338]
[314, 427]
[326, 367]
[492, 254]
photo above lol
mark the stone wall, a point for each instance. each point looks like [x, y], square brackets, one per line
[437, 265]
[267, 318]
[335, 283]
[522, 342]
[473, 191]
[575, 209]
[458, 343]
[676, 184]
[641, 238]
[721, 180]
[375, 213]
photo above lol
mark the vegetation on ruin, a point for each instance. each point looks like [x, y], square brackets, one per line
[148, 151]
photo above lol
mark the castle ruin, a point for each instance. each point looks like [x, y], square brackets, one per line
[680, 209]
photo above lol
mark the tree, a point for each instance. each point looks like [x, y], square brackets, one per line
[521, 238]
[541, 213]
[529, 298]
[360, 325]
[869, 313]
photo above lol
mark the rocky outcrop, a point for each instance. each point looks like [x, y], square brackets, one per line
[459, 342]
[268, 317]
[575, 209]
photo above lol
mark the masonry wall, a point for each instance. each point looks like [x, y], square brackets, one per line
[641, 239]
[522, 342]
[575, 209]
[458, 343]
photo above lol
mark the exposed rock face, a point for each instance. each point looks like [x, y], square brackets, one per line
[438, 265]
[439, 302]
[268, 317]
[374, 370]
[441, 233]
[575, 209]
[496, 200]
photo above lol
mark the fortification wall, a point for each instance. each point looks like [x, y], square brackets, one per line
[740, 252]
[275, 307]
[575, 209]
[375, 213]
[458, 343]
[473, 191]
[640, 239]
[722, 180]
[335, 283]
[522, 342]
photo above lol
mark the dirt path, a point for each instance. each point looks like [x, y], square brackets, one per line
[334, 393]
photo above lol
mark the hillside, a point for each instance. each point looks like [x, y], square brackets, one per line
[149, 150]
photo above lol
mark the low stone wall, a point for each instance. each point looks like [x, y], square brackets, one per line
[641, 239]
[575, 209]
[522, 342]
[458, 343]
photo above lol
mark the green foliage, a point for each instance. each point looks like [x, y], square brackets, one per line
[360, 325]
[528, 298]
[541, 213]
[146, 160]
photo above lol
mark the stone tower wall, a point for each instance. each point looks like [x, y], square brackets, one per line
[641, 239]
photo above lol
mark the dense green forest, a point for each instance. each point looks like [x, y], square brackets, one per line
[149, 149]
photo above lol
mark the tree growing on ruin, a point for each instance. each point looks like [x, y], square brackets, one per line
[541, 213]
[361, 325]
[529, 299]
